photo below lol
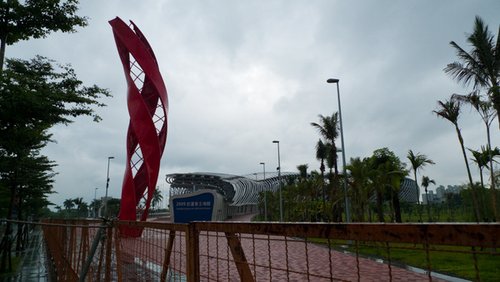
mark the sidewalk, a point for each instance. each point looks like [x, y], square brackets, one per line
[32, 266]
[319, 258]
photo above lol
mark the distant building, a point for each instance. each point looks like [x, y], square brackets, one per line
[454, 189]
[430, 197]
[231, 194]
[441, 192]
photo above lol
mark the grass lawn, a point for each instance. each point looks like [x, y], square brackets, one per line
[451, 260]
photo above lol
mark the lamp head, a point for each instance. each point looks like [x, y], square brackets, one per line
[332, 80]
[276, 141]
[262, 163]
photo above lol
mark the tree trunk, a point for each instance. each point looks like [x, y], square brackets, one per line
[335, 164]
[20, 226]
[481, 176]
[6, 245]
[380, 212]
[482, 201]
[416, 184]
[473, 190]
[397, 208]
[3, 43]
[492, 178]
[322, 169]
[428, 205]
[495, 98]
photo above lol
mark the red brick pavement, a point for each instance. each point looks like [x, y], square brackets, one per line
[270, 258]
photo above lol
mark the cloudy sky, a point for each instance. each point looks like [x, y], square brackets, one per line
[240, 74]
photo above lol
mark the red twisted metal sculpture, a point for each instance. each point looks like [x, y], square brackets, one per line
[147, 103]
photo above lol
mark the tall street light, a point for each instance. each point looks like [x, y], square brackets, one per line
[95, 202]
[107, 186]
[279, 179]
[265, 191]
[346, 199]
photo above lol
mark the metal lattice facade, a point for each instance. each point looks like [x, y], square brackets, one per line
[237, 190]
[243, 190]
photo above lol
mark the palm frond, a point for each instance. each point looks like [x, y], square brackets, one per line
[449, 110]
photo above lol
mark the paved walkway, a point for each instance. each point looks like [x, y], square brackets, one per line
[275, 258]
[319, 258]
[32, 267]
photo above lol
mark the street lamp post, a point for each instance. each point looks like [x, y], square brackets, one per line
[265, 191]
[279, 179]
[95, 202]
[107, 186]
[346, 199]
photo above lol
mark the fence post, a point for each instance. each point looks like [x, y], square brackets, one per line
[109, 249]
[239, 257]
[118, 252]
[193, 260]
[168, 252]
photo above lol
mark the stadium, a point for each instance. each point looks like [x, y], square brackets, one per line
[218, 196]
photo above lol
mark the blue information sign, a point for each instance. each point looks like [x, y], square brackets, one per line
[194, 208]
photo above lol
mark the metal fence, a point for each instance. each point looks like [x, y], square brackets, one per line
[237, 251]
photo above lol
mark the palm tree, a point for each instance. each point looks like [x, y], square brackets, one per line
[329, 129]
[68, 204]
[360, 186]
[331, 161]
[157, 198]
[80, 205]
[450, 110]
[426, 181]
[487, 113]
[481, 159]
[418, 161]
[302, 171]
[387, 173]
[321, 155]
[481, 65]
[95, 204]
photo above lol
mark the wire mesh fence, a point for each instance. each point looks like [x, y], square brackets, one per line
[68, 244]
[159, 254]
[237, 251]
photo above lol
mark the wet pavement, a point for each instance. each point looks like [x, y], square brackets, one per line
[33, 263]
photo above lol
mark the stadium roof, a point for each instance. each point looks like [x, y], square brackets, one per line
[236, 190]
[244, 190]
